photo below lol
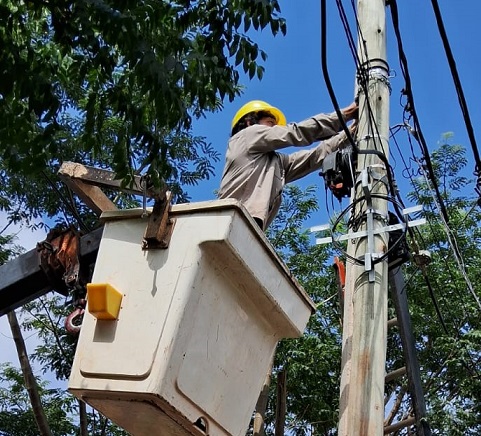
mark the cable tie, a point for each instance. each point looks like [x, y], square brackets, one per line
[375, 63]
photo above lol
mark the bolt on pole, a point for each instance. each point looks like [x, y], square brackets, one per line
[366, 292]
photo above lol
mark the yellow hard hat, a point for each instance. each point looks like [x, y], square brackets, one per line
[257, 106]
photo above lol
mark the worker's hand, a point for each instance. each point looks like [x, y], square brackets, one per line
[351, 112]
[353, 128]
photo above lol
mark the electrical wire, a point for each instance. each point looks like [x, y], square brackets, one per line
[451, 237]
[408, 169]
[347, 31]
[417, 133]
[335, 103]
[421, 171]
[454, 247]
[460, 93]
[430, 288]
[327, 76]
[363, 67]
[392, 246]
[437, 197]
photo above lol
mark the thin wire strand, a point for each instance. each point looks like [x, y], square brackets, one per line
[362, 68]
[408, 92]
[454, 246]
[446, 226]
[458, 87]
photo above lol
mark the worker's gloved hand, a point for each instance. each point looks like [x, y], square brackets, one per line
[353, 127]
[351, 112]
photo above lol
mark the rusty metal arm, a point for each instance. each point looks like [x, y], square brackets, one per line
[86, 182]
[104, 179]
[22, 279]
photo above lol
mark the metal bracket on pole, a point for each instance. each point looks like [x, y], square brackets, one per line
[363, 233]
[376, 70]
[370, 257]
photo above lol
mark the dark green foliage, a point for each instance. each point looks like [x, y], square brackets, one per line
[46, 317]
[444, 297]
[118, 83]
[312, 361]
[8, 249]
[443, 301]
[54, 353]
[16, 416]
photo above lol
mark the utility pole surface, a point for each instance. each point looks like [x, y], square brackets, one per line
[366, 292]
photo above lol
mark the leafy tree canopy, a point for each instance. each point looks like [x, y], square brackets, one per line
[117, 83]
[16, 415]
[444, 312]
[443, 299]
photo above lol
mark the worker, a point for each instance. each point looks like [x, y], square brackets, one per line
[255, 173]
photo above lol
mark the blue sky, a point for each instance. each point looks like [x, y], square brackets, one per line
[294, 82]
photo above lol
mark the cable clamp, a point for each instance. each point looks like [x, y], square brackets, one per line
[372, 175]
[380, 75]
[375, 63]
[368, 137]
[366, 185]
[382, 166]
[378, 214]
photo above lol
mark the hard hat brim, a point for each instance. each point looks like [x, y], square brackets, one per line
[258, 106]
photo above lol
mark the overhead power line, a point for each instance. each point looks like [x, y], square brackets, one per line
[325, 70]
[456, 252]
[408, 90]
[460, 92]
[363, 64]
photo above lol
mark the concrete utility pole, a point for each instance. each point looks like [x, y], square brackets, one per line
[366, 292]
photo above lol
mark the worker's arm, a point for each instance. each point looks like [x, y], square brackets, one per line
[297, 165]
[263, 139]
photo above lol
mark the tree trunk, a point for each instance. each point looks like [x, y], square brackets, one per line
[281, 403]
[261, 407]
[83, 418]
[30, 383]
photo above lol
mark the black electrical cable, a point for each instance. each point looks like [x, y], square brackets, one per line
[420, 137]
[379, 154]
[347, 31]
[410, 97]
[460, 92]
[362, 67]
[392, 246]
[431, 288]
[327, 77]
[335, 103]
[408, 172]
[412, 231]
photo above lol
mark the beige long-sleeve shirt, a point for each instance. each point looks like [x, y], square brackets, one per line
[255, 173]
